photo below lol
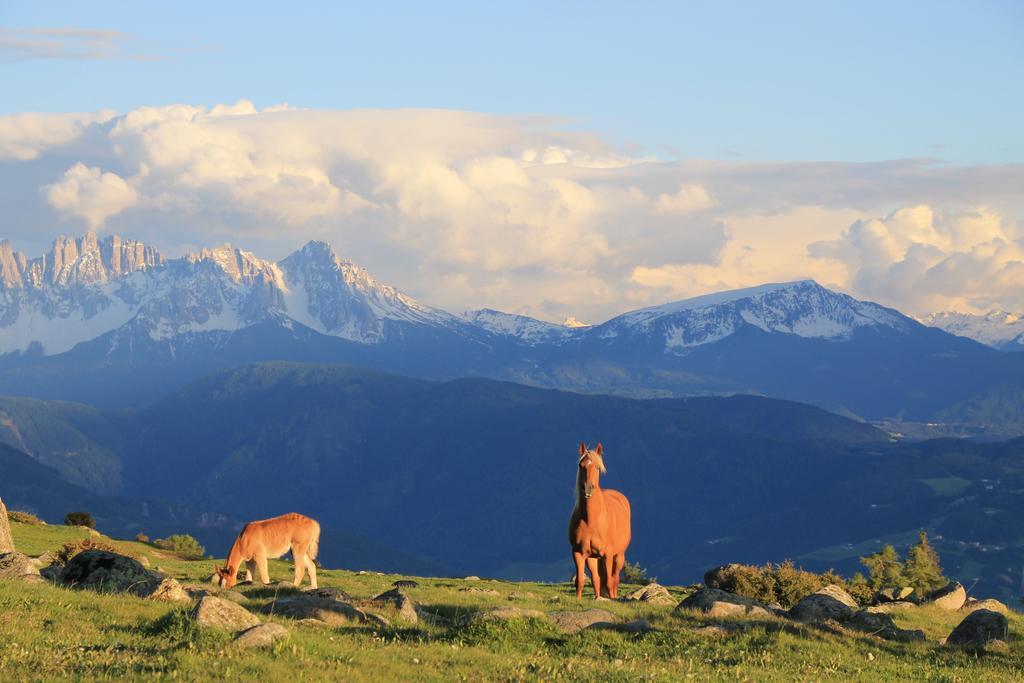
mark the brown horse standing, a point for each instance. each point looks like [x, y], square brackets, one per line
[599, 531]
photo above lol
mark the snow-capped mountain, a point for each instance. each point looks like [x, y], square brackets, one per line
[85, 287]
[803, 308]
[521, 327]
[998, 329]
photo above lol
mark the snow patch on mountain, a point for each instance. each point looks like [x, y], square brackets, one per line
[998, 329]
[525, 328]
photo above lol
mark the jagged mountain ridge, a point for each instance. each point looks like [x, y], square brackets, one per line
[87, 286]
[998, 329]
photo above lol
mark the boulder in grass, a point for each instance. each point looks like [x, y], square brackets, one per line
[654, 593]
[211, 612]
[980, 629]
[310, 606]
[573, 621]
[6, 540]
[718, 603]
[830, 602]
[17, 566]
[887, 607]
[882, 625]
[169, 590]
[401, 602]
[102, 570]
[987, 603]
[950, 598]
[263, 635]
[505, 614]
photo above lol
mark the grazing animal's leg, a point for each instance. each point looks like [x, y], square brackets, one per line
[250, 567]
[609, 577]
[595, 576]
[311, 567]
[299, 556]
[580, 577]
[261, 564]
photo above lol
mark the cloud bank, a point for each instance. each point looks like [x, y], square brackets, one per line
[464, 209]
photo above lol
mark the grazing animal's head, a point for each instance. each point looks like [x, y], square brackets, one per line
[226, 577]
[591, 468]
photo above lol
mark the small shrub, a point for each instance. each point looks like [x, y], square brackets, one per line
[24, 518]
[80, 519]
[72, 548]
[785, 584]
[141, 538]
[183, 545]
[634, 573]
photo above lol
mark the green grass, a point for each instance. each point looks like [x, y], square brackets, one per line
[49, 633]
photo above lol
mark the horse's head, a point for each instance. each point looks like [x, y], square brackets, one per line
[591, 468]
[226, 577]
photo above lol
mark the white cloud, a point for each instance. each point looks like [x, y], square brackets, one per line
[465, 209]
[91, 194]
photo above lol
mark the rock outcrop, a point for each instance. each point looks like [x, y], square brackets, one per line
[653, 593]
[830, 602]
[981, 628]
[314, 606]
[573, 621]
[6, 540]
[102, 570]
[882, 625]
[215, 613]
[397, 599]
[263, 635]
[718, 603]
[17, 566]
[951, 598]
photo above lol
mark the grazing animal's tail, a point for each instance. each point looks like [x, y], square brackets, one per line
[314, 544]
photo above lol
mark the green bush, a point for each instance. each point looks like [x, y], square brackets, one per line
[24, 518]
[785, 583]
[182, 544]
[80, 519]
[921, 570]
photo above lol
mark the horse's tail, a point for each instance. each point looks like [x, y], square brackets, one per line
[314, 543]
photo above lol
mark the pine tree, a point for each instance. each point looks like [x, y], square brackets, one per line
[922, 569]
[884, 568]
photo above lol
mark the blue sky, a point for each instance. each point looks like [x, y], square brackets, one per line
[848, 81]
[553, 159]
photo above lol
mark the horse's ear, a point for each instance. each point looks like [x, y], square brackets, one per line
[600, 448]
[583, 448]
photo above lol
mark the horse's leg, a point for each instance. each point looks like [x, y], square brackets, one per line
[311, 567]
[577, 558]
[261, 564]
[250, 567]
[608, 576]
[595, 576]
[299, 557]
[618, 561]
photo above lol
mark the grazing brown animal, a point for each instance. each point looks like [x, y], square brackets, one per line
[272, 538]
[599, 530]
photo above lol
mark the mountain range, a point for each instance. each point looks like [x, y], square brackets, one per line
[111, 322]
[476, 476]
[998, 329]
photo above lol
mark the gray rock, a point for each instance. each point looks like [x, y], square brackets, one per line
[326, 609]
[653, 593]
[169, 590]
[6, 540]
[405, 583]
[882, 625]
[263, 635]
[211, 612]
[106, 571]
[988, 603]
[718, 603]
[329, 593]
[887, 607]
[950, 598]
[397, 599]
[46, 559]
[15, 565]
[573, 621]
[506, 614]
[52, 573]
[312, 623]
[979, 629]
[830, 602]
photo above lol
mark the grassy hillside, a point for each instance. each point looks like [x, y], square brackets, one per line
[49, 632]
